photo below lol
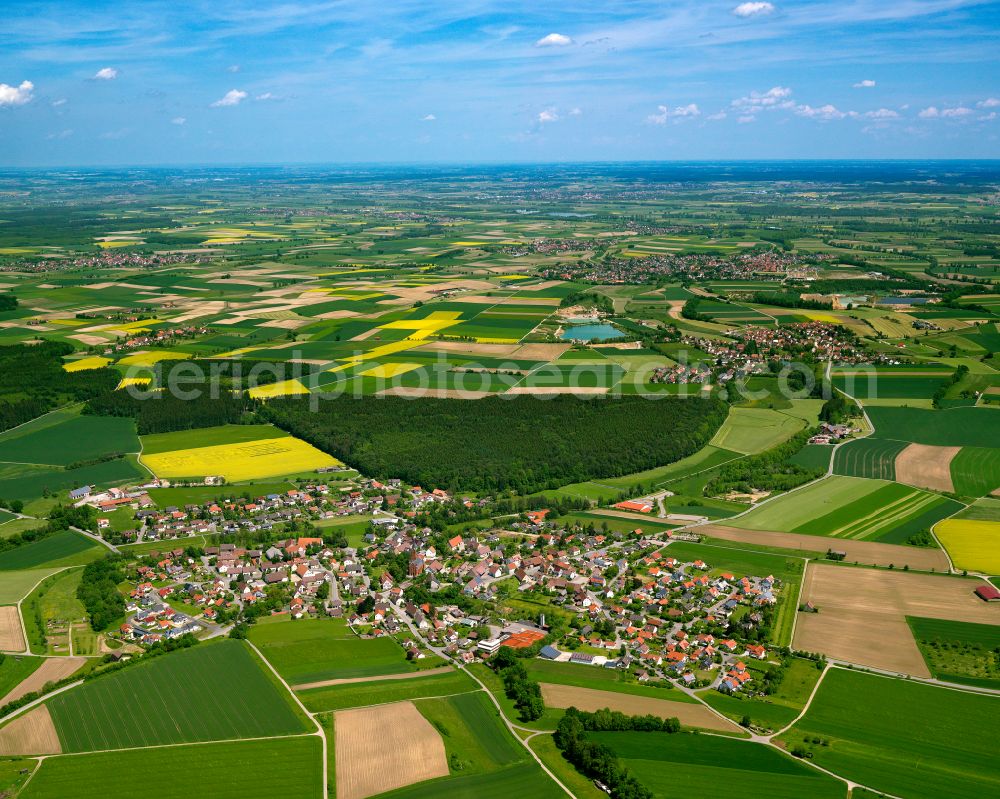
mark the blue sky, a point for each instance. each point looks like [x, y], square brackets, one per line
[109, 83]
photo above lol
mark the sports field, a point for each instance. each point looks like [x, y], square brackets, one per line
[971, 544]
[310, 650]
[680, 765]
[283, 767]
[176, 698]
[240, 460]
[879, 735]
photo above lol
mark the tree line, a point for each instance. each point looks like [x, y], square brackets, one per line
[767, 471]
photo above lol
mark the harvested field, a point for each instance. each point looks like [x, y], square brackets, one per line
[926, 466]
[51, 670]
[30, 734]
[541, 352]
[472, 348]
[866, 552]
[862, 614]
[435, 393]
[11, 634]
[382, 748]
[589, 699]
[374, 678]
[580, 391]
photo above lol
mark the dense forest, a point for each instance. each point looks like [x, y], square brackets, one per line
[98, 591]
[525, 444]
[33, 382]
[165, 413]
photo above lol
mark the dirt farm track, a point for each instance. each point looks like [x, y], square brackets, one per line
[862, 613]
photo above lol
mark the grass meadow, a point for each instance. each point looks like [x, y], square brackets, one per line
[311, 650]
[904, 738]
[377, 692]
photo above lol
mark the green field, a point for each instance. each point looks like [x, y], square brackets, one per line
[964, 427]
[524, 781]
[176, 698]
[75, 439]
[16, 585]
[545, 747]
[851, 507]
[752, 430]
[283, 767]
[376, 692]
[310, 650]
[683, 765]
[960, 652]
[878, 734]
[14, 668]
[868, 457]
[975, 471]
[889, 386]
[472, 731]
[59, 549]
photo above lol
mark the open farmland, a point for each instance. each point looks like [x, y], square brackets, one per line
[68, 438]
[868, 457]
[879, 736]
[242, 460]
[232, 770]
[689, 714]
[961, 427]
[314, 650]
[862, 613]
[846, 507]
[959, 651]
[11, 634]
[750, 430]
[38, 672]
[971, 544]
[376, 692]
[176, 699]
[31, 733]
[669, 765]
[385, 747]
[59, 549]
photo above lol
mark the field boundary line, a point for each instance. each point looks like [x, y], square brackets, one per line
[175, 745]
[319, 727]
[396, 701]
[805, 707]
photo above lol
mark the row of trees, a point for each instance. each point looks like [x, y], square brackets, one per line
[61, 517]
[525, 444]
[595, 760]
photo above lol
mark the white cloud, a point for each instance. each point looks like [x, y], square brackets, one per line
[59, 102]
[266, 96]
[746, 119]
[989, 102]
[106, 73]
[988, 117]
[882, 113]
[716, 116]
[16, 95]
[548, 115]
[680, 112]
[775, 97]
[178, 120]
[232, 97]
[575, 112]
[824, 112]
[554, 40]
[865, 84]
[933, 112]
[428, 118]
[746, 10]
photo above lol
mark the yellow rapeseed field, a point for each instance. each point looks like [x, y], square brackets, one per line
[151, 358]
[125, 382]
[252, 460]
[283, 388]
[390, 370]
[93, 362]
[972, 544]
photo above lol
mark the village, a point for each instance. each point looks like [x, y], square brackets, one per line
[604, 600]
